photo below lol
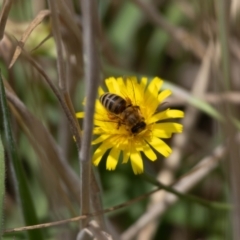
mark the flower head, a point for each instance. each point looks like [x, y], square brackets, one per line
[126, 121]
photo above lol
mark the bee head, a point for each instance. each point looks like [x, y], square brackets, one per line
[139, 127]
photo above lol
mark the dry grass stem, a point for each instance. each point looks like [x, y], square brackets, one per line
[36, 21]
[70, 22]
[234, 10]
[229, 130]
[233, 97]
[76, 219]
[96, 201]
[92, 80]
[53, 5]
[97, 232]
[85, 234]
[4, 16]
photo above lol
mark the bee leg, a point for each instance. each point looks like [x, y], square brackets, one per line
[111, 116]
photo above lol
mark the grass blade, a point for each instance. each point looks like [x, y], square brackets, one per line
[2, 185]
[25, 199]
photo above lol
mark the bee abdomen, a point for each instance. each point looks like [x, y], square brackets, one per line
[113, 103]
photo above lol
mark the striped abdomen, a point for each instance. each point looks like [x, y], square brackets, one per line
[113, 103]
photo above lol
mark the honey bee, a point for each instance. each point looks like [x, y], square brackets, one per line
[124, 112]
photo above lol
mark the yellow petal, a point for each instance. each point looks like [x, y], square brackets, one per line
[151, 96]
[130, 89]
[150, 154]
[164, 94]
[160, 133]
[155, 85]
[143, 83]
[169, 113]
[122, 87]
[126, 152]
[101, 138]
[111, 84]
[160, 146]
[126, 155]
[169, 127]
[100, 91]
[98, 131]
[104, 123]
[120, 82]
[112, 159]
[136, 162]
[139, 94]
[100, 108]
[80, 115]
[133, 79]
[98, 154]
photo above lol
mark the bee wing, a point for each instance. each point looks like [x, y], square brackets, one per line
[109, 121]
[112, 118]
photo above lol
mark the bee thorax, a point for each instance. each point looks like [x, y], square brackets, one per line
[124, 112]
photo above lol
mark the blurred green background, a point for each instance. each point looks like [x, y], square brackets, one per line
[169, 39]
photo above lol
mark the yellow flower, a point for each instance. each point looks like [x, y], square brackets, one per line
[114, 132]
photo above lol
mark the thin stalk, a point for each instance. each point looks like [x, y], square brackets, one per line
[2, 186]
[224, 36]
[229, 129]
[6, 7]
[71, 119]
[53, 5]
[92, 78]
